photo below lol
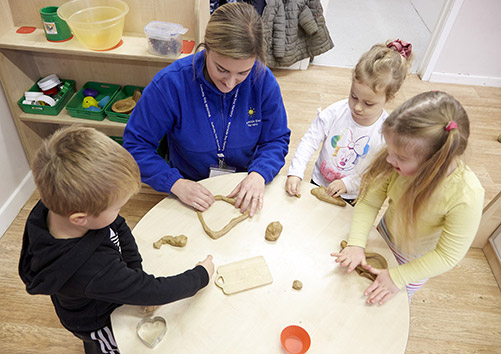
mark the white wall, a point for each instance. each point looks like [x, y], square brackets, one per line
[16, 182]
[429, 11]
[472, 52]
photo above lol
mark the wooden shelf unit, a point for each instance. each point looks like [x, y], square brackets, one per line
[25, 58]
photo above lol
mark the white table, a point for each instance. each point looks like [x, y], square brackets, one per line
[331, 305]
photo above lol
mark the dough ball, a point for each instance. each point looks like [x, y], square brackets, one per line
[297, 285]
[273, 231]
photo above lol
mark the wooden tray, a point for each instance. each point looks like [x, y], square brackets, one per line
[243, 275]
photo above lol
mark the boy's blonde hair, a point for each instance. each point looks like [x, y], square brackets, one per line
[383, 69]
[235, 30]
[79, 169]
[425, 116]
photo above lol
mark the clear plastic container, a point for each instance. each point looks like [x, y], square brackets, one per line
[165, 38]
[98, 24]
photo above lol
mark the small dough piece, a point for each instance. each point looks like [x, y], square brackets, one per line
[297, 285]
[273, 231]
[373, 259]
[176, 241]
[321, 193]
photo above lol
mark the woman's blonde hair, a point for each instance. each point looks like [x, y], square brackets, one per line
[427, 116]
[383, 69]
[79, 169]
[235, 30]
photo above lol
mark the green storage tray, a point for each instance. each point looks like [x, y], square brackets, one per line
[126, 91]
[75, 108]
[47, 110]
[118, 139]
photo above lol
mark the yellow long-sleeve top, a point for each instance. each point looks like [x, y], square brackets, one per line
[443, 232]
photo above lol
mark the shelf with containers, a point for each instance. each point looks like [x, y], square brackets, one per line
[25, 58]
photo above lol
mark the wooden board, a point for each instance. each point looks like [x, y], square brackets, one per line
[243, 275]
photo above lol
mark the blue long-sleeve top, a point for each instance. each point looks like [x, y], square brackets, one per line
[172, 105]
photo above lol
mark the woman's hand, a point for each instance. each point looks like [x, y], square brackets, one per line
[293, 185]
[382, 289]
[249, 193]
[193, 194]
[350, 256]
[336, 188]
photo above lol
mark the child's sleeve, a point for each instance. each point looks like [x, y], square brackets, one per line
[365, 213]
[459, 229]
[130, 251]
[310, 142]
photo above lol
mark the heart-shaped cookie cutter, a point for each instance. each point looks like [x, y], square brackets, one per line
[151, 342]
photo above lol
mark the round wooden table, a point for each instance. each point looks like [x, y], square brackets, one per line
[330, 306]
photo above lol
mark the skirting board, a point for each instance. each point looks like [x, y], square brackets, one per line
[463, 79]
[17, 199]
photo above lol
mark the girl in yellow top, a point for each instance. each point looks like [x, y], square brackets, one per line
[434, 200]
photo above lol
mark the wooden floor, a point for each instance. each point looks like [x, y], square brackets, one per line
[458, 312]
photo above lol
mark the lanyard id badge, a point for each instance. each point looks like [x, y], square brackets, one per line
[222, 168]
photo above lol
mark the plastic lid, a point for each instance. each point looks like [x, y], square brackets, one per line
[49, 82]
[160, 29]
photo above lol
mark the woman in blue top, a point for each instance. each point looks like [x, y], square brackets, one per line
[221, 111]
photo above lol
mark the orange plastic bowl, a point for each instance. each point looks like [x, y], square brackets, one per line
[295, 340]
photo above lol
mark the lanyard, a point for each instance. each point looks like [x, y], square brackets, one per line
[220, 149]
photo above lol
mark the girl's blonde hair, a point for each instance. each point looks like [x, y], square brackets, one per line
[383, 69]
[235, 30]
[79, 169]
[427, 116]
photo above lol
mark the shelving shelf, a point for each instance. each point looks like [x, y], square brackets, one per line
[25, 58]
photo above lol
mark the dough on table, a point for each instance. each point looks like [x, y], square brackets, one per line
[176, 241]
[297, 285]
[373, 259]
[273, 231]
[217, 234]
[321, 193]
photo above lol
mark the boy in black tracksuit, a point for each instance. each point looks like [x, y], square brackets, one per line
[77, 249]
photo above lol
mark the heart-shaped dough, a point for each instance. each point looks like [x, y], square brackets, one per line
[151, 330]
[217, 234]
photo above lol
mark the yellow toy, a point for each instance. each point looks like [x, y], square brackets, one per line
[89, 101]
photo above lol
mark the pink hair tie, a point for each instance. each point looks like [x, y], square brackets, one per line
[404, 48]
[451, 125]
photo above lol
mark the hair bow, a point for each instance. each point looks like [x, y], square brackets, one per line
[404, 48]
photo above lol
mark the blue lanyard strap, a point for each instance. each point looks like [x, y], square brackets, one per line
[220, 150]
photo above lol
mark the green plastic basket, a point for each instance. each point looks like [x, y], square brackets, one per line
[48, 110]
[118, 139]
[126, 91]
[75, 108]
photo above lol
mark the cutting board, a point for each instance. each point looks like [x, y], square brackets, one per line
[243, 275]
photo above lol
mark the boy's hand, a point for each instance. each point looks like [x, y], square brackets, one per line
[208, 265]
[293, 185]
[336, 188]
[382, 289]
[351, 257]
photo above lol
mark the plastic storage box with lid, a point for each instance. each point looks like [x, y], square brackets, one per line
[125, 92]
[75, 108]
[165, 38]
[48, 110]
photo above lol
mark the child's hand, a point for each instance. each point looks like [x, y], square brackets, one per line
[150, 309]
[208, 265]
[336, 188]
[351, 257]
[293, 185]
[382, 289]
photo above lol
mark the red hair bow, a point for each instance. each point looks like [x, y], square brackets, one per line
[404, 48]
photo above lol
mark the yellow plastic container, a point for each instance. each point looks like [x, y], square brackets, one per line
[98, 24]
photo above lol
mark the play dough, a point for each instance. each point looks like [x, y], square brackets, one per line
[374, 259]
[176, 241]
[217, 234]
[321, 193]
[297, 285]
[273, 231]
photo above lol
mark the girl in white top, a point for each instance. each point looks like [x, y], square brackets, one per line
[349, 131]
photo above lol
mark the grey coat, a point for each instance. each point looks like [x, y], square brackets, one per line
[294, 30]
